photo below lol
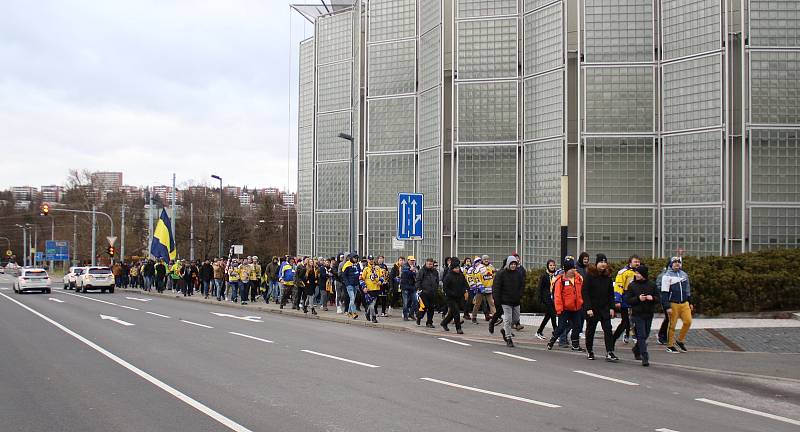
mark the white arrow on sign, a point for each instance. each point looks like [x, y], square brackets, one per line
[55, 300]
[246, 318]
[111, 240]
[138, 299]
[116, 320]
[403, 222]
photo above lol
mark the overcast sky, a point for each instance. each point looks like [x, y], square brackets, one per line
[148, 87]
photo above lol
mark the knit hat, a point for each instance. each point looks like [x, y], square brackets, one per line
[600, 258]
[673, 259]
[569, 262]
[485, 258]
[642, 270]
[476, 259]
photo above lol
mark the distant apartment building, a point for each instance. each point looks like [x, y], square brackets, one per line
[288, 199]
[24, 193]
[52, 193]
[198, 191]
[165, 193]
[107, 181]
[245, 199]
[232, 190]
[131, 192]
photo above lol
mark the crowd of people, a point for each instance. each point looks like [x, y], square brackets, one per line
[577, 296]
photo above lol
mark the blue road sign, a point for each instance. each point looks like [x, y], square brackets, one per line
[409, 216]
[56, 250]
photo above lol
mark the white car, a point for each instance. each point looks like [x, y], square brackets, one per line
[71, 278]
[95, 278]
[32, 279]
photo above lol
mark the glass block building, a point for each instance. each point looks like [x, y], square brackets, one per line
[676, 122]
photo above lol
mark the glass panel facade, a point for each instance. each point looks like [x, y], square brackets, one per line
[305, 116]
[429, 179]
[692, 231]
[392, 19]
[693, 168]
[487, 175]
[305, 148]
[619, 170]
[775, 174]
[332, 233]
[619, 232]
[543, 47]
[544, 105]
[690, 27]
[333, 186]
[487, 49]
[529, 5]
[305, 187]
[482, 8]
[775, 87]
[333, 88]
[430, 124]
[775, 23]
[542, 169]
[329, 146]
[388, 175]
[541, 238]
[305, 222]
[334, 36]
[430, 245]
[391, 68]
[430, 14]
[381, 227]
[391, 124]
[692, 93]
[618, 31]
[619, 99]
[430, 60]
[487, 111]
[774, 228]
[486, 231]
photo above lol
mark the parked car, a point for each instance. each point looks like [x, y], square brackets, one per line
[32, 279]
[71, 278]
[95, 278]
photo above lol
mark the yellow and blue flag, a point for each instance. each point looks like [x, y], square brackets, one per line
[163, 243]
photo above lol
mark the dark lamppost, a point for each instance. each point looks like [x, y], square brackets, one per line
[219, 221]
[349, 137]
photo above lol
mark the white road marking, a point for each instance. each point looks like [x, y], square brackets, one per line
[489, 392]
[139, 299]
[251, 337]
[750, 411]
[194, 323]
[665, 430]
[230, 424]
[246, 318]
[55, 300]
[116, 320]
[514, 356]
[158, 315]
[98, 300]
[606, 378]
[454, 342]
[340, 359]
[4, 288]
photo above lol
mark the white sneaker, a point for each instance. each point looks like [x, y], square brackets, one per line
[540, 336]
[583, 336]
[339, 310]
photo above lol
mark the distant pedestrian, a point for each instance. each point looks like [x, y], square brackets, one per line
[598, 302]
[676, 296]
[455, 290]
[426, 284]
[546, 297]
[508, 288]
[643, 297]
[568, 300]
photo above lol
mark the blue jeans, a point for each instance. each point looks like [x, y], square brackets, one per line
[351, 292]
[204, 287]
[234, 290]
[274, 291]
[642, 327]
[218, 288]
[568, 320]
[148, 283]
[409, 300]
[244, 289]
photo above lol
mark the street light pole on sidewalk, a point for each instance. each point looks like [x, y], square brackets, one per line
[349, 137]
[219, 221]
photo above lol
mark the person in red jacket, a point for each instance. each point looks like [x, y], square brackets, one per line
[568, 301]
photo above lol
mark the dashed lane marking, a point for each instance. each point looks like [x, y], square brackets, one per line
[514, 356]
[454, 341]
[251, 337]
[603, 377]
[750, 411]
[197, 324]
[489, 392]
[340, 359]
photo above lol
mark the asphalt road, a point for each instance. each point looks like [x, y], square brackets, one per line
[164, 364]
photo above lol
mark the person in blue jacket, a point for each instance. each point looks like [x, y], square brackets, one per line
[676, 296]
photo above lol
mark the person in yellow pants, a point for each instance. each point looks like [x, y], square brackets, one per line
[676, 296]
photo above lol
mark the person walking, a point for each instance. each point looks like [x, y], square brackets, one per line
[160, 272]
[373, 278]
[624, 277]
[286, 279]
[508, 288]
[642, 296]
[568, 300]
[546, 298]
[206, 276]
[455, 288]
[408, 277]
[233, 280]
[386, 289]
[219, 275]
[273, 288]
[350, 277]
[598, 303]
[676, 296]
[426, 284]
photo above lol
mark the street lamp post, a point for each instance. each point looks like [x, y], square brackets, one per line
[219, 222]
[349, 137]
[24, 245]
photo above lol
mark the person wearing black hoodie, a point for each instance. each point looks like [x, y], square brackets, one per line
[642, 296]
[427, 283]
[508, 288]
[454, 286]
[206, 275]
[546, 298]
[598, 303]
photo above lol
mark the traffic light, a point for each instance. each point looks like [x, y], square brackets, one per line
[44, 210]
[110, 251]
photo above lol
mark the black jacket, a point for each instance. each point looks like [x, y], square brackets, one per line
[598, 290]
[645, 308]
[428, 280]
[508, 287]
[545, 296]
[206, 272]
[454, 285]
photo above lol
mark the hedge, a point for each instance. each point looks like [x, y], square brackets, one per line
[768, 280]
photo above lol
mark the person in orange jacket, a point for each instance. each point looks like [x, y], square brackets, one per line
[568, 301]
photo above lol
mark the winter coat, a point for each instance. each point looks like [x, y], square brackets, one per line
[644, 309]
[454, 285]
[408, 278]
[350, 274]
[598, 290]
[206, 272]
[427, 280]
[272, 271]
[675, 288]
[623, 279]
[545, 288]
[568, 295]
[508, 287]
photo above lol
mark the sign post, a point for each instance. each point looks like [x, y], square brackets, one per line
[409, 216]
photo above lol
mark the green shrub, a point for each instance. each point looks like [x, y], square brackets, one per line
[753, 282]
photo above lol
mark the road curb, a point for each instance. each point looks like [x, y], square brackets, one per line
[796, 315]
